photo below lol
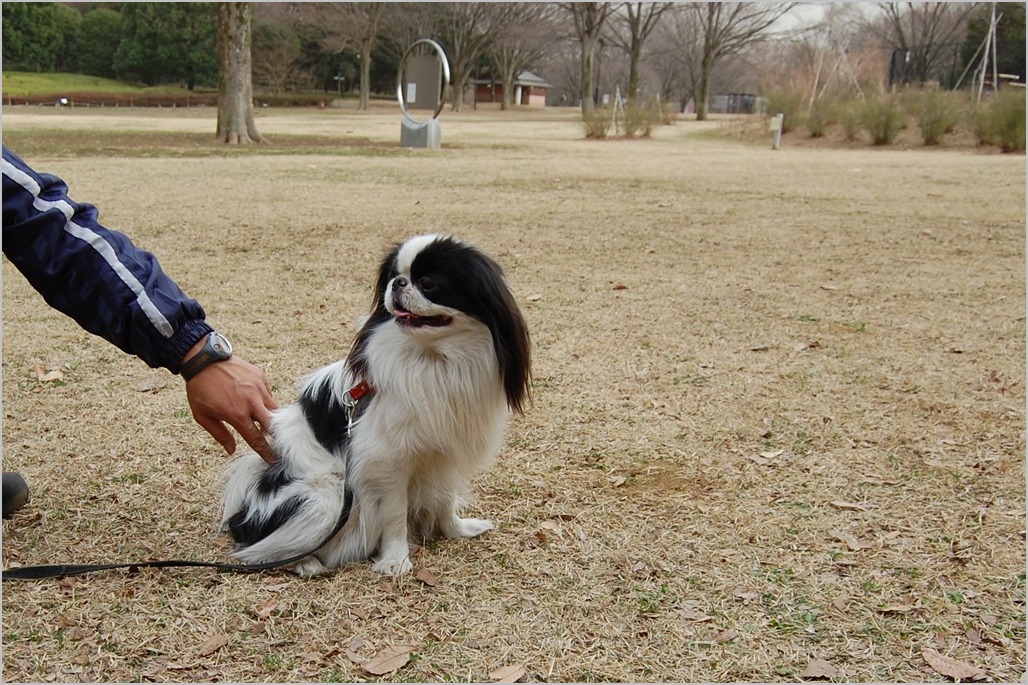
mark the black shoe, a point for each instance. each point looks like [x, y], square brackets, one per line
[16, 493]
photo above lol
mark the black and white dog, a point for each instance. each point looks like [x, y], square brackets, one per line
[388, 438]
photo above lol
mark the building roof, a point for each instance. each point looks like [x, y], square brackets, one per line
[525, 78]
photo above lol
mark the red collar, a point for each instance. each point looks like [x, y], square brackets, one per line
[359, 391]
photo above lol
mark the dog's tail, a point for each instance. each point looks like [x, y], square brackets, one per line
[273, 516]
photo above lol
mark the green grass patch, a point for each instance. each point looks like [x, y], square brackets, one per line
[25, 83]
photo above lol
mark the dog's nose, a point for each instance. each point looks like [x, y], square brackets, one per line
[399, 282]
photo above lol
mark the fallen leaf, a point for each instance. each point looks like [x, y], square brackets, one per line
[534, 298]
[950, 667]
[852, 543]
[44, 376]
[426, 577]
[359, 613]
[744, 594]
[508, 674]
[848, 506]
[694, 616]
[828, 286]
[620, 286]
[266, 611]
[819, 668]
[388, 660]
[810, 345]
[152, 385]
[617, 481]
[213, 644]
[727, 635]
[759, 348]
[258, 628]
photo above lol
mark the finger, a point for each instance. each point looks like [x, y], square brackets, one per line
[262, 416]
[255, 439]
[219, 432]
[269, 400]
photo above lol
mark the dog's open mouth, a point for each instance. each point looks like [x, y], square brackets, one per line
[405, 318]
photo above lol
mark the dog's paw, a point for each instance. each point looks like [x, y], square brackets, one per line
[467, 528]
[309, 566]
[393, 566]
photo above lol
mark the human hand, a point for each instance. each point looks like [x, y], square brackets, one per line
[236, 392]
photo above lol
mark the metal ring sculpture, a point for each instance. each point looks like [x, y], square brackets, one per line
[400, 79]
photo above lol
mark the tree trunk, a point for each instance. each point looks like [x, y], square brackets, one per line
[365, 98]
[508, 78]
[634, 57]
[706, 67]
[235, 88]
[588, 55]
[457, 85]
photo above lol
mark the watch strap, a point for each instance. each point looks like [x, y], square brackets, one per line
[215, 349]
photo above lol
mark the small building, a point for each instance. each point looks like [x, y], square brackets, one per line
[529, 90]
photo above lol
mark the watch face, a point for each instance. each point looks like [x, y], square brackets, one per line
[221, 345]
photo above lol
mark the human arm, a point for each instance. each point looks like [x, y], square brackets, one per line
[118, 291]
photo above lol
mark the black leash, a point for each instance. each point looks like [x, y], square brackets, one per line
[353, 409]
[62, 570]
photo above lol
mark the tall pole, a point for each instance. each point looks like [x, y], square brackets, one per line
[995, 66]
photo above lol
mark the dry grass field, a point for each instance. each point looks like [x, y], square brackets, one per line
[778, 430]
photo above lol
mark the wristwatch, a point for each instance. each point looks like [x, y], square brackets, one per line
[216, 349]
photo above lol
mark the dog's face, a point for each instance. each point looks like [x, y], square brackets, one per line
[433, 287]
[422, 290]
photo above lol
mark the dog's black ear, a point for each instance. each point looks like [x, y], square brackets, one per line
[358, 350]
[513, 350]
[500, 312]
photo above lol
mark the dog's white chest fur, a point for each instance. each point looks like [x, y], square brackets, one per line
[438, 401]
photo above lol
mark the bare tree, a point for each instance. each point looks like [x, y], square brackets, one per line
[528, 36]
[725, 28]
[402, 24]
[679, 48]
[590, 19]
[235, 89]
[635, 24]
[351, 26]
[466, 30]
[926, 34]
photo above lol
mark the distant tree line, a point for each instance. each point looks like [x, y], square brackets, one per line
[677, 52]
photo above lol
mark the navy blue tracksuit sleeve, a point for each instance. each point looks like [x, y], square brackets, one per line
[94, 275]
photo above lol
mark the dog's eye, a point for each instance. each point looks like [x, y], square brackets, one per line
[426, 284]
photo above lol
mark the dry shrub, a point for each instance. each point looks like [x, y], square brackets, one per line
[936, 113]
[851, 120]
[641, 119]
[789, 103]
[883, 119]
[1001, 121]
[822, 115]
[597, 123]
